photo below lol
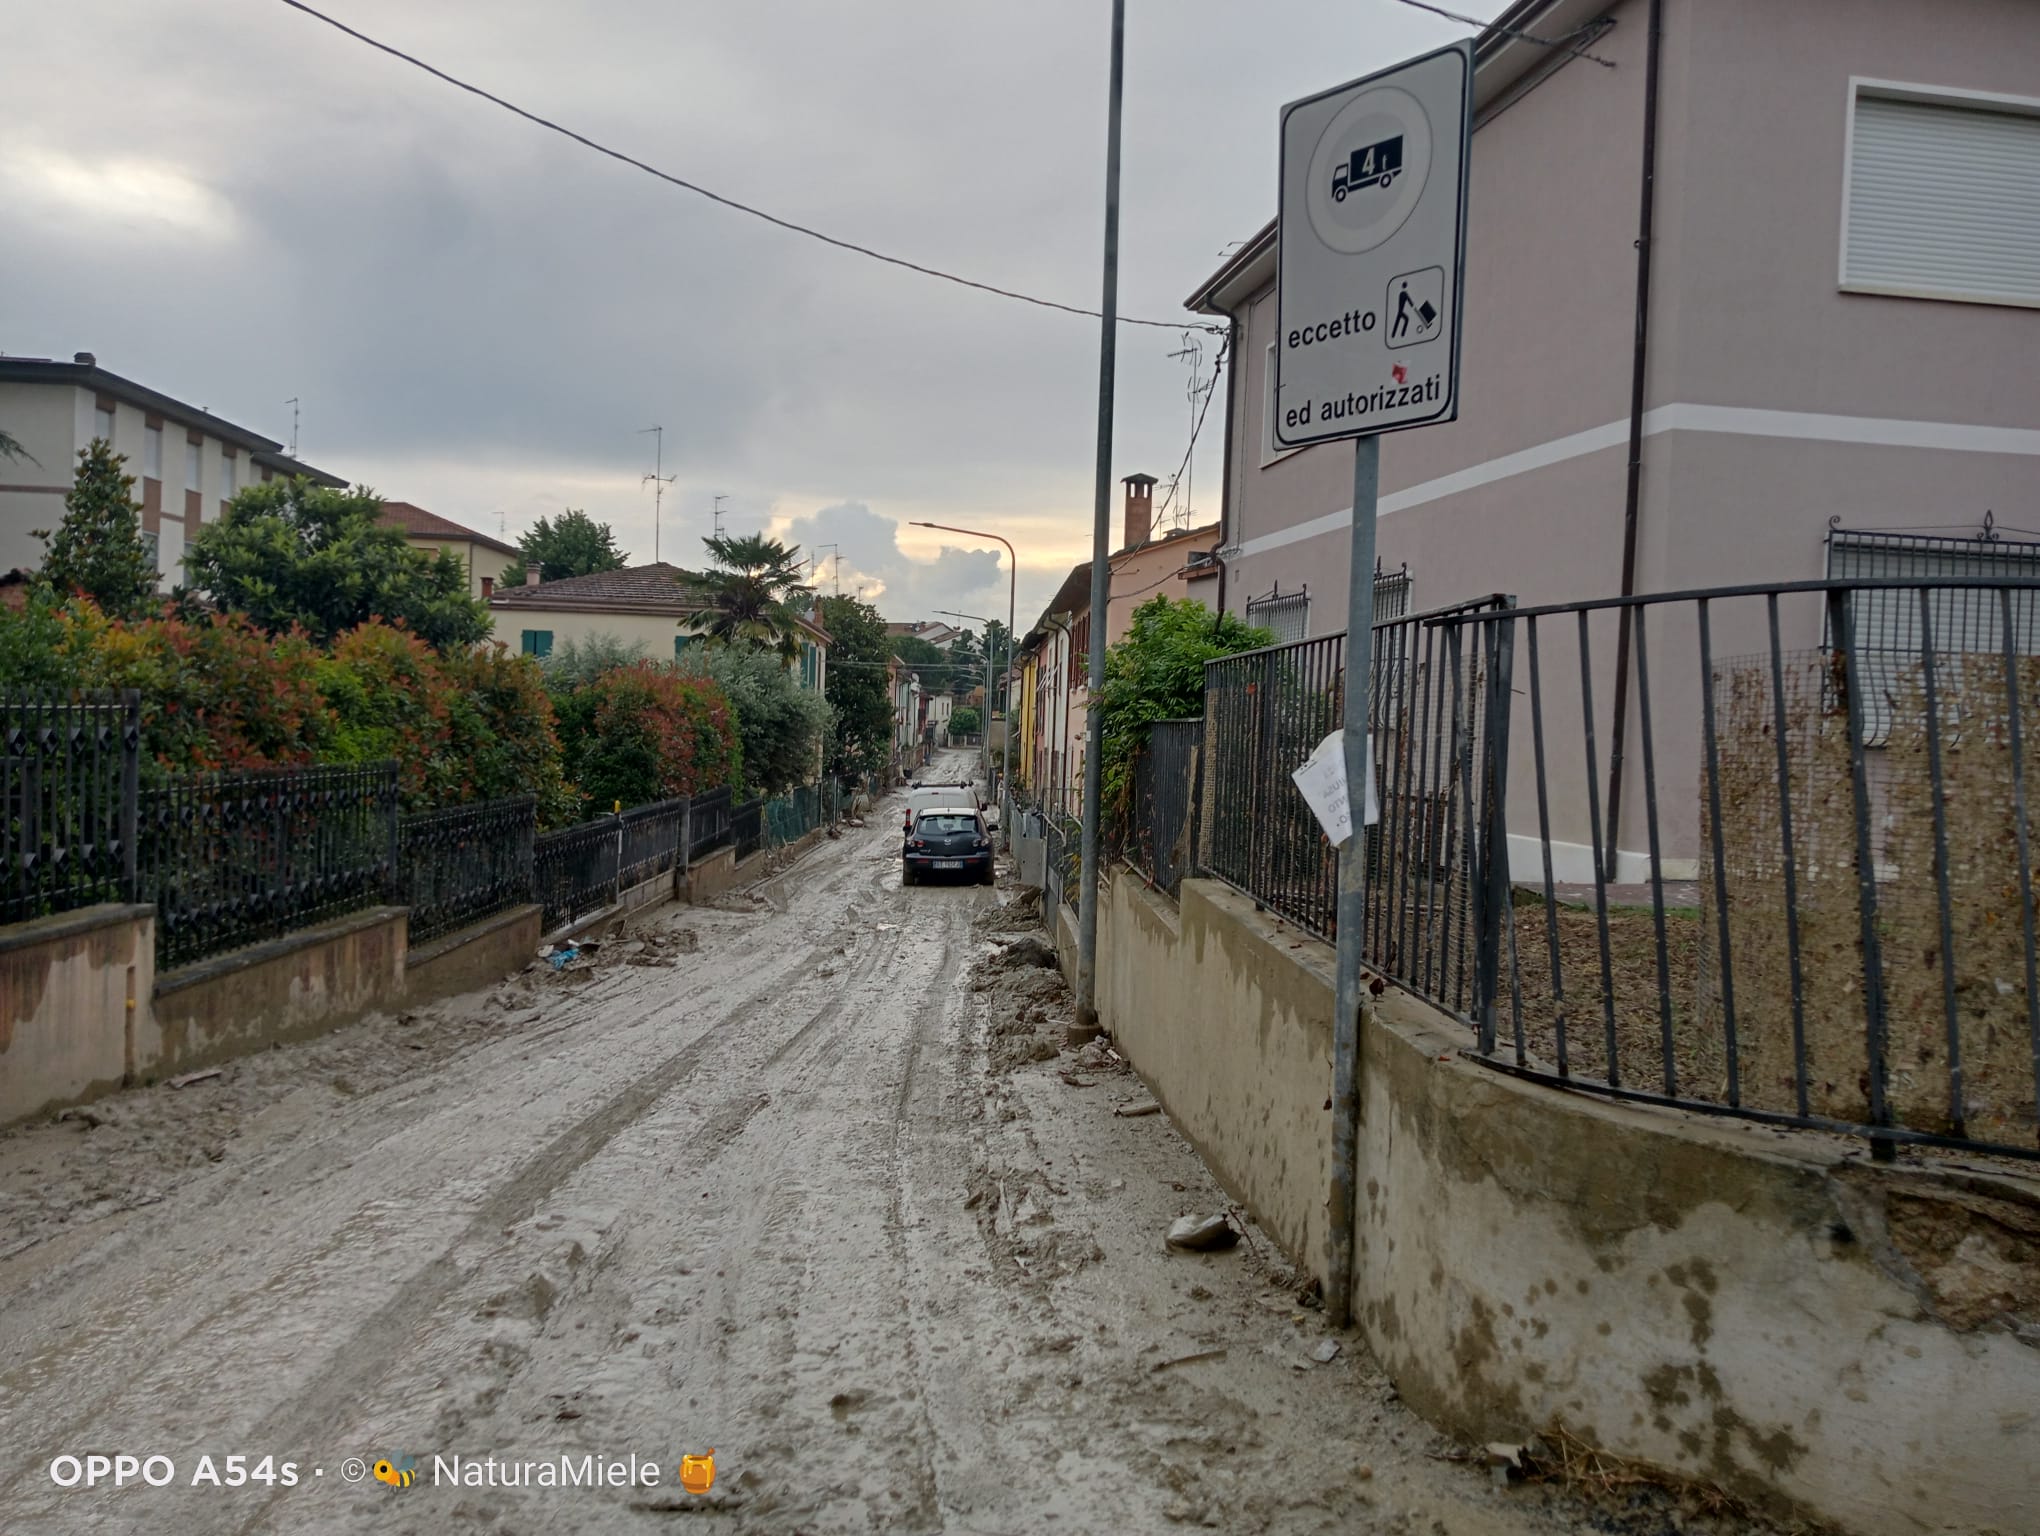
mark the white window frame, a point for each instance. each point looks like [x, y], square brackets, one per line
[1933, 96]
[1271, 453]
[152, 453]
[194, 465]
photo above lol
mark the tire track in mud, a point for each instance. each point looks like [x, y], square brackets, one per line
[304, 1167]
[365, 1355]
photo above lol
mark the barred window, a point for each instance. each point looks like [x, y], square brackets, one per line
[1286, 614]
[1887, 623]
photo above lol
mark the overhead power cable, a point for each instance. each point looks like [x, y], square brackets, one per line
[701, 191]
[1564, 43]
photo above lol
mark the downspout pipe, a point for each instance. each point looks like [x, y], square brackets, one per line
[1632, 500]
[1225, 485]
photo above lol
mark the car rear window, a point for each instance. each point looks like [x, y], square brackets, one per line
[939, 822]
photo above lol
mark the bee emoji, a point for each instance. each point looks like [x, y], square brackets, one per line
[398, 1473]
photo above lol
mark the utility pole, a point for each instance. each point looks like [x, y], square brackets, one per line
[292, 402]
[659, 482]
[1085, 1026]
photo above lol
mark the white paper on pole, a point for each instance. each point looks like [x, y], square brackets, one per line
[1322, 782]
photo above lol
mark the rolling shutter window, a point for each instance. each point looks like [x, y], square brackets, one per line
[1943, 201]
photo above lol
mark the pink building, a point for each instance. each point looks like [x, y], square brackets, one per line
[1833, 324]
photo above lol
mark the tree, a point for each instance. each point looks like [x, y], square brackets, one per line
[577, 663]
[779, 723]
[754, 592]
[575, 545]
[967, 664]
[98, 549]
[1157, 673]
[860, 741]
[293, 553]
[10, 448]
[996, 639]
[963, 721]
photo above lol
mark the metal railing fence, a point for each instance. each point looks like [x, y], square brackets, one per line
[1267, 710]
[1822, 912]
[747, 826]
[466, 863]
[651, 839]
[233, 859]
[69, 766]
[1156, 833]
[574, 871]
[709, 822]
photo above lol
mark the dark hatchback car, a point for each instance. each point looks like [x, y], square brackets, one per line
[951, 840]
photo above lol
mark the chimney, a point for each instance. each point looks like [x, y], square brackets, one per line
[85, 359]
[1140, 509]
[531, 575]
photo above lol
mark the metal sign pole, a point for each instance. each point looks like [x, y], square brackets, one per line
[1350, 993]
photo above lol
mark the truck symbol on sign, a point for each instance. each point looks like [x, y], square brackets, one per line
[1375, 164]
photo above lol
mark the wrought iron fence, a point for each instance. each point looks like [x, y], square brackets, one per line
[652, 837]
[747, 826]
[233, 859]
[467, 863]
[1266, 711]
[1156, 835]
[1816, 904]
[574, 870]
[68, 777]
[708, 822]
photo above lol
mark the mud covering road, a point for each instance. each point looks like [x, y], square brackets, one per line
[798, 1178]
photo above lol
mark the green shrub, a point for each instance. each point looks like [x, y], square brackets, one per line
[645, 732]
[780, 723]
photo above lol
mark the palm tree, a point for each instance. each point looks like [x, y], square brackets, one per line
[755, 593]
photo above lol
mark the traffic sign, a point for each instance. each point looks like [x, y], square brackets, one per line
[1370, 252]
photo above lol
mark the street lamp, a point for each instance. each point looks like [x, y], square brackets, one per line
[1012, 592]
[984, 725]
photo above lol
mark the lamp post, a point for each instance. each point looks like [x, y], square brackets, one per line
[984, 725]
[1012, 593]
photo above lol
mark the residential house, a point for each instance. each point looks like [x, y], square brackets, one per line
[1056, 652]
[1833, 351]
[657, 608]
[934, 631]
[187, 463]
[485, 559]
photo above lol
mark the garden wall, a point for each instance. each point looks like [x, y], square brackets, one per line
[1764, 1312]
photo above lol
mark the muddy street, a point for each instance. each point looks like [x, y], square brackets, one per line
[798, 1178]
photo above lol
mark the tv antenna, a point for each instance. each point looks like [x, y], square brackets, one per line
[815, 562]
[659, 481]
[1193, 350]
[720, 498]
[292, 402]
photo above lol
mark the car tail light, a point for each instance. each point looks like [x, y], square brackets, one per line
[915, 842]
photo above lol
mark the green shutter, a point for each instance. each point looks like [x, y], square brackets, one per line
[538, 642]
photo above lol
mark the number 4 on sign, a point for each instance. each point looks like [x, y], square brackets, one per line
[1322, 783]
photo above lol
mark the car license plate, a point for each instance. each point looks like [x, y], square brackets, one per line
[949, 863]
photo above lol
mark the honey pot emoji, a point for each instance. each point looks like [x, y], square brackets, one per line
[697, 1473]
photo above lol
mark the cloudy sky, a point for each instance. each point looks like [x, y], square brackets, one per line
[232, 203]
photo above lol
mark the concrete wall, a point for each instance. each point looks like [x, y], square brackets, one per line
[1766, 1313]
[709, 876]
[72, 988]
[287, 989]
[474, 956]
